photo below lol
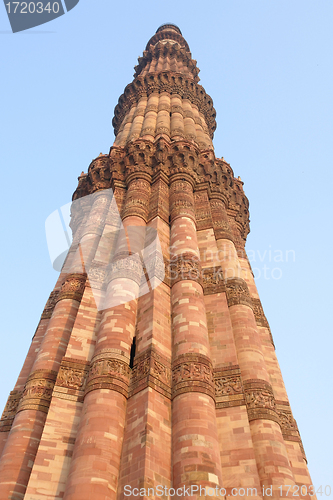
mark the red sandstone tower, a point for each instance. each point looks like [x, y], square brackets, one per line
[176, 387]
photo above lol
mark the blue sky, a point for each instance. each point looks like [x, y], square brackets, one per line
[268, 66]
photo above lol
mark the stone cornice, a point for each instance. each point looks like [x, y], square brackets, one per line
[213, 175]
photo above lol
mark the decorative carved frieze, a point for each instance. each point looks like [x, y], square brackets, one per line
[137, 199]
[288, 424]
[200, 169]
[71, 380]
[10, 410]
[203, 214]
[212, 279]
[261, 318]
[97, 274]
[109, 370]
[129, 267]
[99, 173]
[48, 309]
[220, 220]
[151, 369]
[72, 374]
[228, 387]
[38, 390]
[192, 372]
[186, 266]
[159, 200]
[238, 292]
[73, 287]
[259, 313]
[260, 401]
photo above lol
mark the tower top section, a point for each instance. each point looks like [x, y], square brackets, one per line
[168, 27]
[165, 97]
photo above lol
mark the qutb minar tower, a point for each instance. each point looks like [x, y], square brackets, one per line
[153, 371]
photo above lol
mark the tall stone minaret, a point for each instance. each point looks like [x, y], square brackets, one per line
[153, 364]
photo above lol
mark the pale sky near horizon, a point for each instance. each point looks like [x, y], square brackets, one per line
[268, 66]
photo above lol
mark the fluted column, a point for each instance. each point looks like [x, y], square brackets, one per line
[196, 457]
[289, 427]
[96, 457]
[22, 443]
[270, 451]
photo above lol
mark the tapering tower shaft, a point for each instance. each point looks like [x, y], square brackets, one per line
[153, 366]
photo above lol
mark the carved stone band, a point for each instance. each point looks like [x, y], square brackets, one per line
[73, 287]
[238, 292]
[129, 267]
[260, 401]
[228, 387]
[185, 267]
[213, 281]
[288, 424]
[260, 317]
[109, 370]
[71, 380]
[192, 373]
[48, 309]
[151, 369]
[38, 390]
[259, 313]
[10, 410]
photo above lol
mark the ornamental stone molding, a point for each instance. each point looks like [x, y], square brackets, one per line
[109, 370]
[260, 401]
[38, 391]
[73, 287]
[288, 425]
[212, 280]
[260, 317]
[201, 169]
[259, 313]
[72, 374]
[228, 387]
[192, 372]
[71, 380]
[186, 266]
[50, 304]
[10, 411]
[129, 267]
[151, 369]
[238, 292]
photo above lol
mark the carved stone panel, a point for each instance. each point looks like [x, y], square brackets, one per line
[73, 287]
[10, 410]
[228, 387]
[238, 292]
[259, 313]
[186, 266]
[192, 373]
[213, 281]
[151, 369]
[260, 401]
[71, 380]
[38, 391]
[109, 370]
[48, 309]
